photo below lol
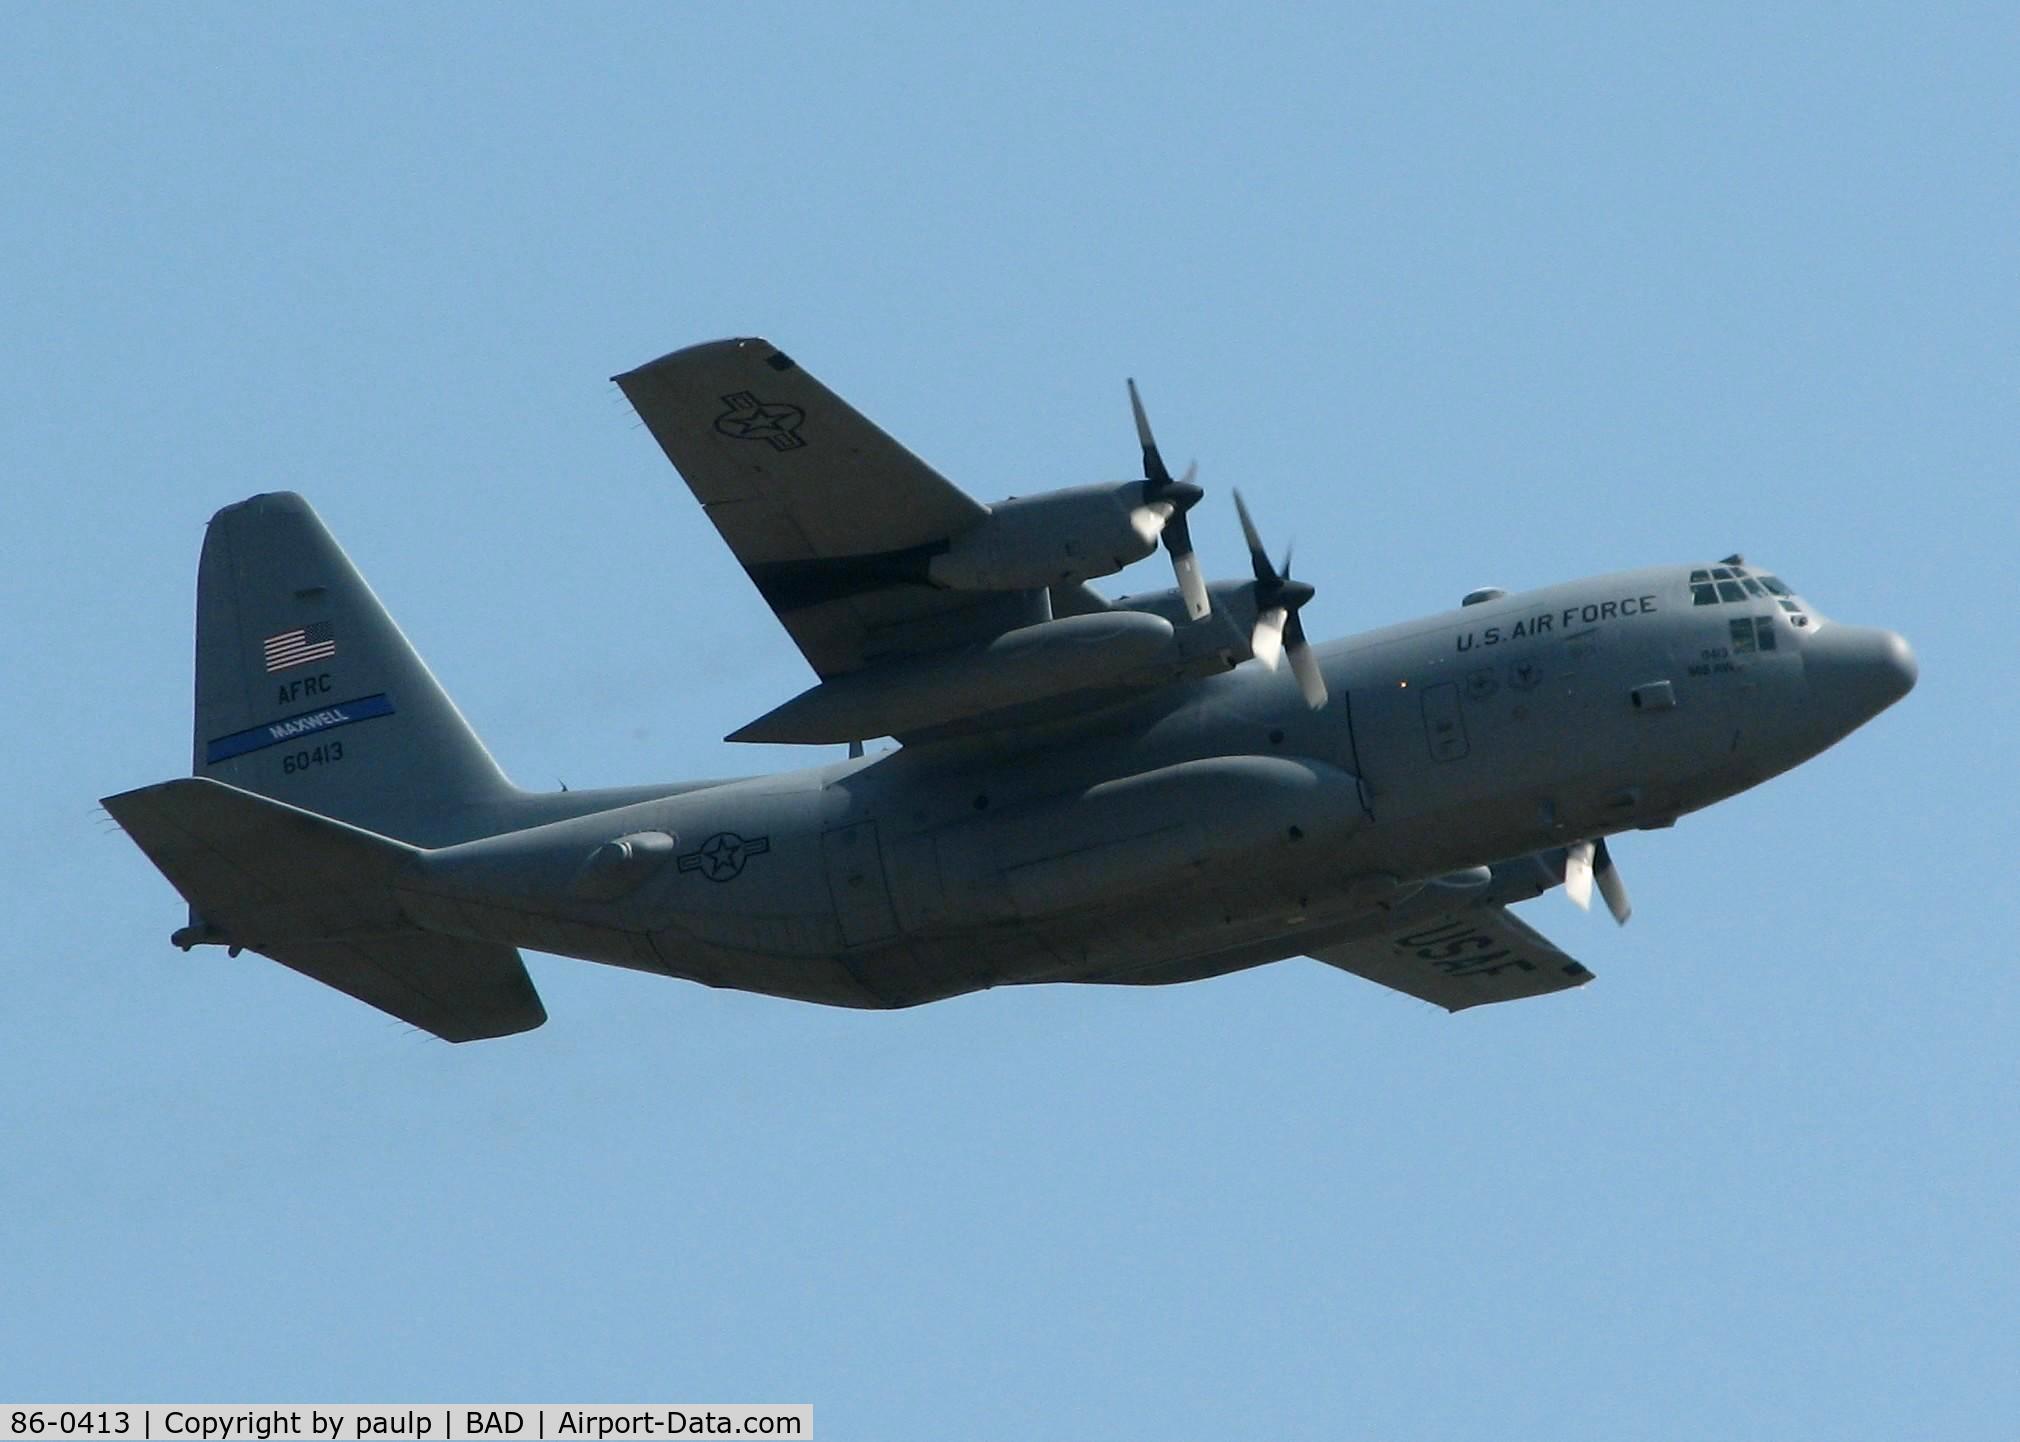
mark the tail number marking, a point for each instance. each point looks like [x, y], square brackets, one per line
[328, 754]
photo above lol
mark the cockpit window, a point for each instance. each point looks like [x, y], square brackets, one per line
[1719, 585]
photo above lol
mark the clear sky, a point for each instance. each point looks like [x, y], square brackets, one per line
[1457, 295]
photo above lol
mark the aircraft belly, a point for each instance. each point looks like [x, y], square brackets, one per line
[823, 979]
[1240, 917]
[916, 972]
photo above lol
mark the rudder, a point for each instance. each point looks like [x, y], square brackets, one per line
[307, 692]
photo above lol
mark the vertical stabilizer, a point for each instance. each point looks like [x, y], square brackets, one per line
[307, 692]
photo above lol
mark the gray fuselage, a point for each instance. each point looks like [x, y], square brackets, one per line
[1201, 827]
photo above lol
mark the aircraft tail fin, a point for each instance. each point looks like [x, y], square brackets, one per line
[306, 691]
[317, 896]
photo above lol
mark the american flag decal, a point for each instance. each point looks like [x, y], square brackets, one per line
[317, 642]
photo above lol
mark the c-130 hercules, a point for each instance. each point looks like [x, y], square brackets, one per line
[1087, 790]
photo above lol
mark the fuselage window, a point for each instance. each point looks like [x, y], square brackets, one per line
[1751, 633]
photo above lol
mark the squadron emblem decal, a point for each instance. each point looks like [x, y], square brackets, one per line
[722, 856]
[750, 419]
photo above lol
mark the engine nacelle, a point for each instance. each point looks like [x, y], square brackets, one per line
[1033, 663]
[1052, 539]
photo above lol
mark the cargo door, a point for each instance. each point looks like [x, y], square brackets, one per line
[855, 868]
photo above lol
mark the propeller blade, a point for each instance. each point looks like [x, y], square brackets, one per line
[1578, 874]
[1304, 665]
[1178, 541]
[1191, 584]
[1267, 641]
[1611, 887]
[1306, 668]
[1168, 500]
[1258, 558]
[1278, 600]
[1153, 464]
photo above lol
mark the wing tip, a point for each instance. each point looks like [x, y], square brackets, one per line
[705, 350]
[518, 1025]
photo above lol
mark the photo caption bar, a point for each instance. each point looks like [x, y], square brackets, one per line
[437, 1422]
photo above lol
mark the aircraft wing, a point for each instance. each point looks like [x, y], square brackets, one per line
[833, 520]
[1468, 958]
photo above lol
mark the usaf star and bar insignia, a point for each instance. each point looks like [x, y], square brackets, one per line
[750, 419]
[722, 856]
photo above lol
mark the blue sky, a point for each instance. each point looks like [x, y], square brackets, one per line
[1457, 295]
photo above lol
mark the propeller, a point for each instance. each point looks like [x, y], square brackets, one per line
[1162, 513]
[1278, 599]
[1586, 862]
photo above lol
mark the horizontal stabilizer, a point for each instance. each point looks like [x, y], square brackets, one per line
[459, 990]
[316, 895]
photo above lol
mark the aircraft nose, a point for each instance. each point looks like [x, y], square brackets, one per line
[1858, 671]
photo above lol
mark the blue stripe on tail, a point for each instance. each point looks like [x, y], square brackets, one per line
[289, 728]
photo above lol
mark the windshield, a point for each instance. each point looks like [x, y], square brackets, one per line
[1731, 583]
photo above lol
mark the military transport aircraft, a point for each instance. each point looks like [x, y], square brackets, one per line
[1086, 789]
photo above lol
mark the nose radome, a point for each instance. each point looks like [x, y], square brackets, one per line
[1860, 670]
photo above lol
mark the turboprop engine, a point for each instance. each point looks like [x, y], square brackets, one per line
[1076, 534]
[1052, 539]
